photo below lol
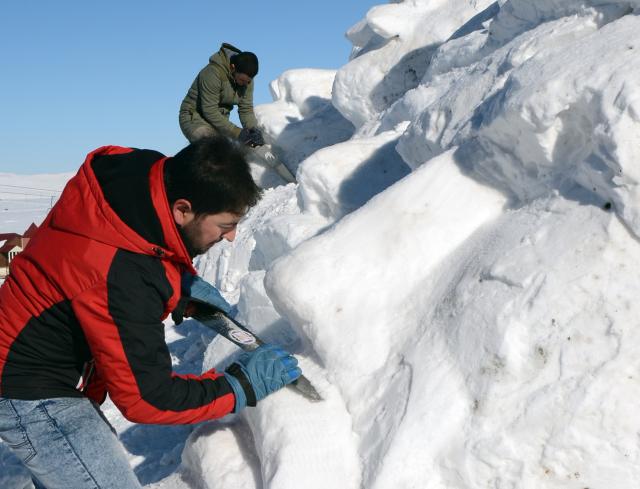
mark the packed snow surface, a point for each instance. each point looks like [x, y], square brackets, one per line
[455, 267]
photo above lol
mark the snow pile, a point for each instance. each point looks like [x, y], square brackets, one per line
[458, 276]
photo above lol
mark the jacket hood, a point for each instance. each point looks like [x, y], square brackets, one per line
[126, 207]
[223, 56]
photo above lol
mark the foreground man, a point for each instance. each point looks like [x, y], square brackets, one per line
[82, 308]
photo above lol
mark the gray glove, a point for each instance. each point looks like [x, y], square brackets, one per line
[256, 136]
[245, 136]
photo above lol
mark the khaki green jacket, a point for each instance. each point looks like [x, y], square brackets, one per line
[213, 95]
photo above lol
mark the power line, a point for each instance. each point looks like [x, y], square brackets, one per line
[31, 188]
[44, 196]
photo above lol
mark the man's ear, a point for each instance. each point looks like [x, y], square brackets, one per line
[182, 212]
[233, 68]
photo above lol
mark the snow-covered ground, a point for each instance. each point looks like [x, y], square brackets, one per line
[455, 268]
[27, 198]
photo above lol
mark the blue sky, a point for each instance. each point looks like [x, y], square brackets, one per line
[79, 74]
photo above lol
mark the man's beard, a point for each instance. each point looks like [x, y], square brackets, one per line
[189, 238]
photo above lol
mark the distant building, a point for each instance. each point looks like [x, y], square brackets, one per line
[11, 244]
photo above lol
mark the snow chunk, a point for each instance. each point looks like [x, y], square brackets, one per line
[337, 180]
[533, 117]
[411, 31]
[353, 290]
[518, 16]
[302, 119]
[232, 463]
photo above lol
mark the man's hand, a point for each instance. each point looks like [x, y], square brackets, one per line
[258, 373]
[194, 286]
[256, 136]
[245, 136]
[251, 137]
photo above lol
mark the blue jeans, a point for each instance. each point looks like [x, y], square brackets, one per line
[65, 443]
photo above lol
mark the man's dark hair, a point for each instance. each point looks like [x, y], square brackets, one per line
[212, 174]
[245, 62]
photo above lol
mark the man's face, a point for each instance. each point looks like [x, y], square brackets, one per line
[199, 233]
[240, 79]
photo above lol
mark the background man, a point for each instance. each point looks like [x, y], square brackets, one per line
[82, 308]
[225, 82]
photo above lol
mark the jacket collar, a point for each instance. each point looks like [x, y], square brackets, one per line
[83, 210]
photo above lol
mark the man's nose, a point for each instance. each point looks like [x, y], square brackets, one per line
[230, 235]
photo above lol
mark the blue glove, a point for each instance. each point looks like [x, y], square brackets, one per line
[194, 286]
[258, 373]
